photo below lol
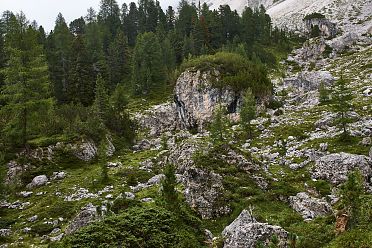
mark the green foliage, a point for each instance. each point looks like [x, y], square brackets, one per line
[169, 184]
[248, 111]
[314, 234]
[219, 125]
[236, 71]
[324, 94]
[149, 71]
[341, 97]
[315, 31]
[146, 226]
[314, 15]
[351, 193]
[26, 92]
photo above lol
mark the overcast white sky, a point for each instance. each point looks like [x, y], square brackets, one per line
[46, 11]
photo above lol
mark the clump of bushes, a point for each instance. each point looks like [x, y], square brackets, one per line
[236, 72]
[145, 226]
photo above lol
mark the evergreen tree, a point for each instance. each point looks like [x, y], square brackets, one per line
[81, 77]
[59, 58]
[169, 186]
[148, 67]
[118, 60]
[101, 101]
[131, 23]
[248, 111]
[351, 192]
[323, 94]
[77, 26]
[219, 125]
[342, 104]
[170, 19]
[26, 92]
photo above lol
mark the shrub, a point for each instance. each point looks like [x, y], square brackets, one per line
[145, 226]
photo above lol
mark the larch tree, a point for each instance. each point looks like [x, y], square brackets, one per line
[26, 91]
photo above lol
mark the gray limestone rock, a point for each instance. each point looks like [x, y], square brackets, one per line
[336, 167]
[196, 98]
[88, 215]
[245, 232]
[38, 181]
[204, 192]
[309, 207]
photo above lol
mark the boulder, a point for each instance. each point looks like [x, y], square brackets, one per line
[309, 207]
[309, 80]
[204, 192]
[5, 232]
[58, 175]
[155, 180]
[158, 119]
[14, 172]
[196, 98]
[336, 167]
[38, 181]
[245, 232]
[370, 153]
[86, 150]
[87, 215]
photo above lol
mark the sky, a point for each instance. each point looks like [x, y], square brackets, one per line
[46, 11]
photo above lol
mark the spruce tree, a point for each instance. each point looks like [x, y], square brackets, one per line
[118, 60]
[81, 78]
[101, 102]
[148, 66]
[59, 56]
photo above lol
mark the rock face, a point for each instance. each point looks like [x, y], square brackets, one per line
[245, 232]
[326, 27]
[196, 98]
[158, 119]
[203, 192]
[88, 215]
[309, 207]
[336, 167]
[309, 81]
[38, 181]
[86, 150]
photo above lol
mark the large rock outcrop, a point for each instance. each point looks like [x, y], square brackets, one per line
[246, 232]
[309, 81]
[336, 167]
[204, 192]
[326, 27]
[309, 207]
[158, 119]
[196, 98]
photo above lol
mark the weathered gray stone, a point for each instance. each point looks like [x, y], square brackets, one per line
[86, 150]
[158, 119]
[85, 217]
[204, 191]
[5, 232]
[245, 232]
[33, 218]
[309, 207]
[38, 182]
[196, 98]
[336, 167]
